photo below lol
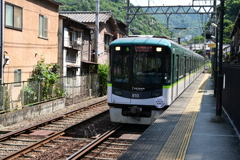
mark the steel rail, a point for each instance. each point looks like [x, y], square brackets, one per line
[33, 146]
[46, 140]
[94, 143]
[17, 132]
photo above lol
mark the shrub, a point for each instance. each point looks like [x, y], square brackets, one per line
[103, 73]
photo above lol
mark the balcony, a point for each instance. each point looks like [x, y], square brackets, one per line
[75, 45]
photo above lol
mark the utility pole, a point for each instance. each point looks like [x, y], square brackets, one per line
[96, 30]
[218, 118]
[1, 40]
[216, 50]
[179, 33]
[128, 20]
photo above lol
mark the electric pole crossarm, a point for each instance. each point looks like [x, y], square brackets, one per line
[170, 9]
[129, 21]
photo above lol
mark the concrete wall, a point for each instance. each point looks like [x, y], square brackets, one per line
[31, 112]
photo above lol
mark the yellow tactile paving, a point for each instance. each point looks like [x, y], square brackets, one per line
[176, 146]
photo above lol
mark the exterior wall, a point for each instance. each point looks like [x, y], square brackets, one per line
[102, 56]
[25, 48]
[87, 46]
[103, 29]
[67, 47]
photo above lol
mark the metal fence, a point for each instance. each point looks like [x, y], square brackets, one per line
[15, 96]
[230, 94]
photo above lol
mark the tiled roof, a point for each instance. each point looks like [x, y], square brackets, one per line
[55, 2]
[87, 16]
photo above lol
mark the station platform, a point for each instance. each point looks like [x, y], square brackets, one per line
[185, 130]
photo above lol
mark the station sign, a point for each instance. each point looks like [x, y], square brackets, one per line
[212, 45]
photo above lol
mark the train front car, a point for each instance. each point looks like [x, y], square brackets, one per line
[139, 68]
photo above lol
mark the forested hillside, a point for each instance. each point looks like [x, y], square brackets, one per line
[231, 12]
[157, 24]
[142, 24]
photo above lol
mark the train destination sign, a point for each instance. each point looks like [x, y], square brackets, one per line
[143, 48]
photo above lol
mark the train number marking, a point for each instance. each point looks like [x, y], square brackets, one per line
[135, 95]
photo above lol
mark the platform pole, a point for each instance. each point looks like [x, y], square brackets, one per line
[218, 118]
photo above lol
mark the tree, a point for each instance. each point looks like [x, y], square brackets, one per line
[232, 9]
[198, 39]
[228, 27]
[141, 23]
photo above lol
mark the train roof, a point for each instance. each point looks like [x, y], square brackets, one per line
[142, 40]
[154, 41]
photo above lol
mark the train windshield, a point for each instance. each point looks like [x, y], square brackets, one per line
[121, 64]
[141, 65]
[147, 63]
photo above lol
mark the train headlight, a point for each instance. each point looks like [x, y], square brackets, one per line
[118, 48]
[159, 49]
[156, 94]
[119, 93]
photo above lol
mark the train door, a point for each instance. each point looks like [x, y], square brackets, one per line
[173, 74]
[177, 74]
[185, 71]
[174, 77]
[190, 70]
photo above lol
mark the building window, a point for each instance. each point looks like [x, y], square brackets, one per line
[71, 56]
[76, 39]
[106, 42]
[17, 75]
[13, 16]
[71, 75]
[43, 26]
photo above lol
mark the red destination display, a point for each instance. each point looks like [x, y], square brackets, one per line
[143, 48]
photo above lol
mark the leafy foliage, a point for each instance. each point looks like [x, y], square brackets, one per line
[231, 12]
[5, 101]
[232, 9]
[153, 25]
[103, 74]
[44, 79]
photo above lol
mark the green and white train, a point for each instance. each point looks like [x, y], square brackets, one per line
[146, 75]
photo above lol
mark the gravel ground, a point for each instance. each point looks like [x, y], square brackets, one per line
[29, 122]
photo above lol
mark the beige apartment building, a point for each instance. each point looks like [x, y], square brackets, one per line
[30, 33]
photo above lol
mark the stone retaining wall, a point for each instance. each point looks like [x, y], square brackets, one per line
[13, 117]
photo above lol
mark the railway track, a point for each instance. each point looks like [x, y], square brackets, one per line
[110, 145]
[22, 141]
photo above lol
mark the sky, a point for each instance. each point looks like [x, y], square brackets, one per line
[170, 2]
